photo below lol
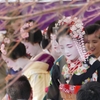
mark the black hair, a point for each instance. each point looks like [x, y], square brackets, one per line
[30, 20]
[91, 29]
[19, 51]
[97, 22]
[50, 29]
[35, 36]
[89, 91]
[21, 89]
[63, 31]
[45, 42]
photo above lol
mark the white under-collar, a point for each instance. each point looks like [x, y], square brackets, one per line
[20, 63]
[99, 58]
[36, 50]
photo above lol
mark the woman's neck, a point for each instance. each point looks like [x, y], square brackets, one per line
[37, 50]
[21, 62]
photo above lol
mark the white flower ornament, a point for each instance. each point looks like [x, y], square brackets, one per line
[3, 49]
[76, 26]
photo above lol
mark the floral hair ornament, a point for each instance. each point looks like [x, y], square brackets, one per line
[3, 45]
[75, 24]
[2, 33]
[76, 32]
[44, 32]
[23, 31]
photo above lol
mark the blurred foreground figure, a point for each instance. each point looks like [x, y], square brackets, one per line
[89, 91]
[19, 90]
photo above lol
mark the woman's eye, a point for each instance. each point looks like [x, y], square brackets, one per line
[94, 41]
[70, 46]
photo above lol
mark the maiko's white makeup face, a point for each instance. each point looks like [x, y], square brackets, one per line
[55, 46]
[10, 63]
[68, 48]
[30, 49]
[14, 64]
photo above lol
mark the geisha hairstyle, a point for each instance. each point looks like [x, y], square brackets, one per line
[30, 33]
[92, 29]
[19, 51]
[64, 31]
[50, 29]
[35, 36]
[97, 22]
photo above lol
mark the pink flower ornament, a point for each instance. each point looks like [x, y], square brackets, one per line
[76, 26]
[3, 49]
[23, 31]
[31, 24]
[7, 40]
[44, 32]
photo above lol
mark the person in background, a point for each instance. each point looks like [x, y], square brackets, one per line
[45, 43]
[46, 46]
[50, 30]
[92, 39]
[89, 91]
[92, 42]
[50, 35]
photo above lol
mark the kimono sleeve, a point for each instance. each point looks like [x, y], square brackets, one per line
[78, 79]
[53, 91]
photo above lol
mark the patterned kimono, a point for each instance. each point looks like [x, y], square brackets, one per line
[39, 76]
[59, 75]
